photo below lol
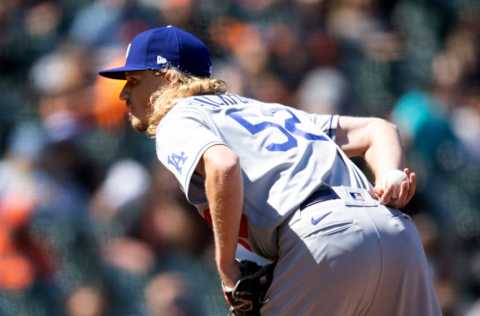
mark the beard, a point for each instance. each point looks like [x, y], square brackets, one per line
[137, 124]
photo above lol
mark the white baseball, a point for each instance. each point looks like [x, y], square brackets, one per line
[395, 177]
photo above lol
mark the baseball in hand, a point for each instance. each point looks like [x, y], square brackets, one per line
[395, 177]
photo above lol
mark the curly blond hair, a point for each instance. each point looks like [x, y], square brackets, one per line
[181, 85]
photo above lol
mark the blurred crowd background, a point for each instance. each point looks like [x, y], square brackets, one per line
[91, 224]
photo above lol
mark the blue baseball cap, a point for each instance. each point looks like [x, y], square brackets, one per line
[162, 47]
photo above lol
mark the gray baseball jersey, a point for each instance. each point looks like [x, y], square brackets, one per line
[341, 257]
[285, 154]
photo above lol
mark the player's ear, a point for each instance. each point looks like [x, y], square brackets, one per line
[172, 76]
[161, 75]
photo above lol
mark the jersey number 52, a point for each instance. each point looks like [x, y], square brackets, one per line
[289, 129]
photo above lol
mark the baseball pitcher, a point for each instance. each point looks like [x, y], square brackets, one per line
[278, 182]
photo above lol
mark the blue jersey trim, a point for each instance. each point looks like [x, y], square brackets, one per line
[330, 127]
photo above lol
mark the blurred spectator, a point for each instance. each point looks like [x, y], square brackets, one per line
[129, 255]
[369, 46]
[170, 294]
[168, 223]
[109, 22]
[125, 184]
[466, 121]
[108, 109]
[428, 129]
[324, 90]
[61, 80]
[86, 301]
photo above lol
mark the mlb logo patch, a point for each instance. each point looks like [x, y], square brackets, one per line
[357, 196]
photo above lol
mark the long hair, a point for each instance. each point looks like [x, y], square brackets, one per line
[181, 85]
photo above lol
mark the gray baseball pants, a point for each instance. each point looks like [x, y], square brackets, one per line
[338, 260]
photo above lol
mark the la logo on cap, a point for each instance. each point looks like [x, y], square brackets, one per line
[161, 60]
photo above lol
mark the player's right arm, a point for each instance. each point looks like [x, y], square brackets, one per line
[220, 167]
[378, 142]
[185, 144]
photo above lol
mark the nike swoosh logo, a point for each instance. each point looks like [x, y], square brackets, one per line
[317, 220]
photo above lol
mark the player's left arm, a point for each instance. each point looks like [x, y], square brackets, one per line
[220, 167]
[378, 142]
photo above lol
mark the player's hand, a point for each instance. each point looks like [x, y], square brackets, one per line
[249, 293]
[396, 195]
[229, 274]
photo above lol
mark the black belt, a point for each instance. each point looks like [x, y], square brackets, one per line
[322, 194]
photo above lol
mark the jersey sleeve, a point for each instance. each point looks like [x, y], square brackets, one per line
[326, 122]
[181, 139]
